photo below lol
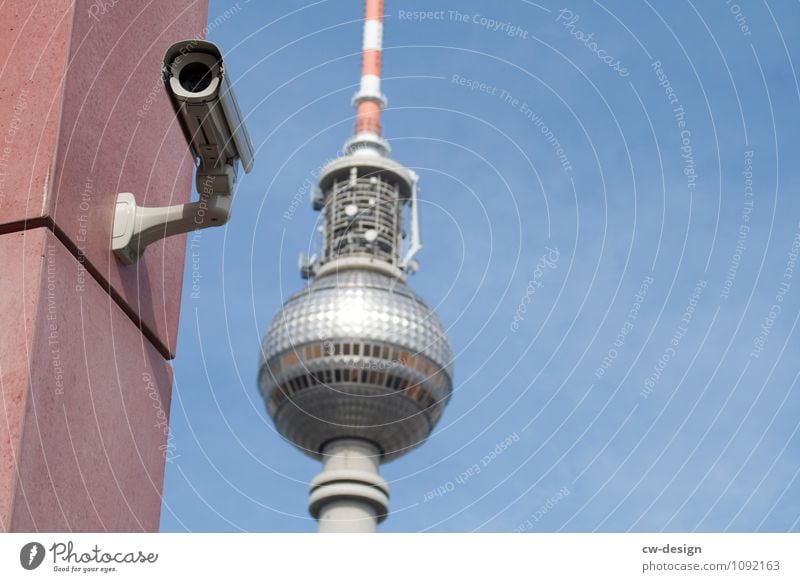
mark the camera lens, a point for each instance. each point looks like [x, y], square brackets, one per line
[195, 77]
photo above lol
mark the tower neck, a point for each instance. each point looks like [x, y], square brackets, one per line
[363, 217]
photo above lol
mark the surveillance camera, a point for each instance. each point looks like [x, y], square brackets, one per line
[202, 96]
[194, 75]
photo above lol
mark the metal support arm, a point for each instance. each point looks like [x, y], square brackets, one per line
[136, 227]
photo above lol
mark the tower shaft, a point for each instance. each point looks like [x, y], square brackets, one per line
[349, 496]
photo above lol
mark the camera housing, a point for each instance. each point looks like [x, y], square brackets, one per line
[202, 96]
[201, 93]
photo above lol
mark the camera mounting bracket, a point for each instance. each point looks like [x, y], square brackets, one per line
[136, 227]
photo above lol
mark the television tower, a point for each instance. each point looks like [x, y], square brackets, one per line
[356, 369]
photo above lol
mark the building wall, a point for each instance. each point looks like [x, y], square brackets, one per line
[84, 377]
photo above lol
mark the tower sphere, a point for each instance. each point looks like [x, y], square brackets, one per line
[356, 354]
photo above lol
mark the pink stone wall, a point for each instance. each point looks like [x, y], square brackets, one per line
[18, 306]
[34, 43]
[94, 401]
[84, 380]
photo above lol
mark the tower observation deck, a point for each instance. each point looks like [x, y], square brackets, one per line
[356, 369]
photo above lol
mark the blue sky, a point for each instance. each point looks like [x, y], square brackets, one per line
[640, 379]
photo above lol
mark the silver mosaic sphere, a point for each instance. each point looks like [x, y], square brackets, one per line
[356, 354]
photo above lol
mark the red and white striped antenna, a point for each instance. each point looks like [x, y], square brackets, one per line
[369, 100]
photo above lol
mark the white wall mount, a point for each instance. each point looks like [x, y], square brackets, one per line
[136, 227]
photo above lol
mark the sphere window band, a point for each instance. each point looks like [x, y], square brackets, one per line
[415, 375]
[387, 358]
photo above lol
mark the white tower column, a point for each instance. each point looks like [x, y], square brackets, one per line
[332, 385]
[349, 495]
